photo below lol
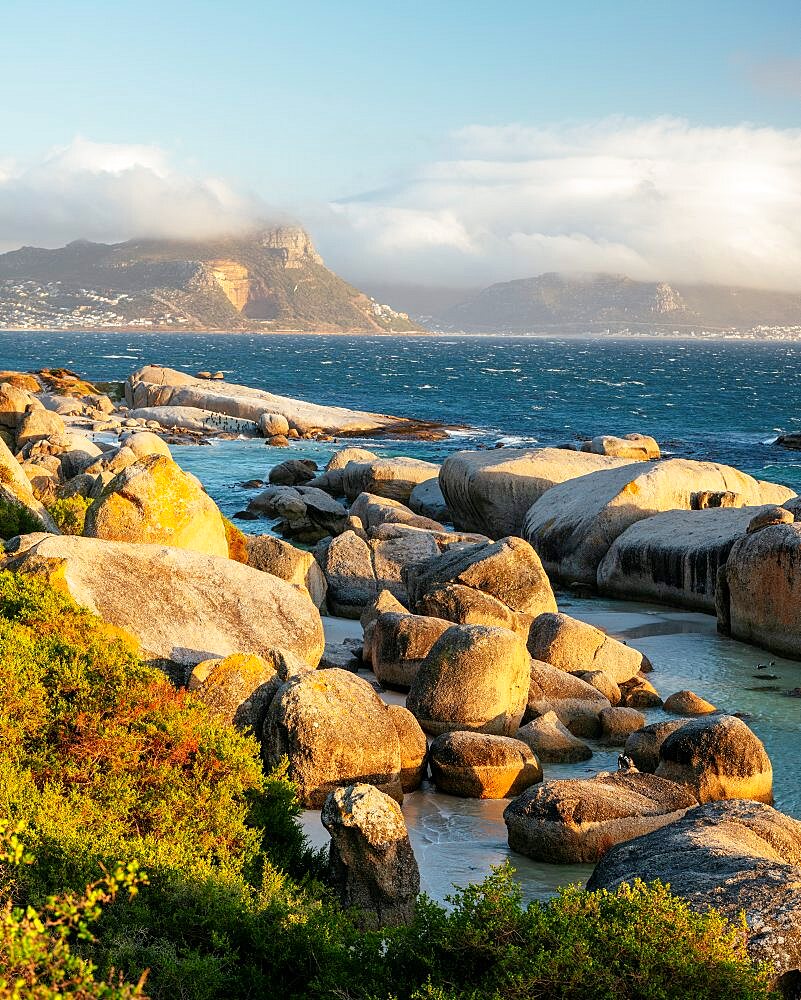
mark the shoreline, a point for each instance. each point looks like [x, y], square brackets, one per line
[546, 335]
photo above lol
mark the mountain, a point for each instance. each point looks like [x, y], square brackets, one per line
[576, 303]
[272, 279]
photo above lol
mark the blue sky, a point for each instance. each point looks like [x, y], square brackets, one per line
[305, 104]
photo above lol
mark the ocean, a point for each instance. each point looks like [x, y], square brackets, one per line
[719, 400]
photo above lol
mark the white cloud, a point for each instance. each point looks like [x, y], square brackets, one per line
[654, 199]
[108, 192]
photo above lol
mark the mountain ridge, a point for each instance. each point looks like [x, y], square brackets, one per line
[269, 279]
[556, 300]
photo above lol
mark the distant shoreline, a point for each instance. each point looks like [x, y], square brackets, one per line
[717, 335]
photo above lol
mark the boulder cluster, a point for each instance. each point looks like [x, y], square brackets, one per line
[466, 678]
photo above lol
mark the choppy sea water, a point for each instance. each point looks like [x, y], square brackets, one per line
[718, 400]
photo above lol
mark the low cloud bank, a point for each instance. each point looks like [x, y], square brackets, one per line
[108, 192]
[654, 199]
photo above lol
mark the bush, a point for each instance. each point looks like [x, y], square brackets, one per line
[69, 513]
[37, 960]
[15, 519]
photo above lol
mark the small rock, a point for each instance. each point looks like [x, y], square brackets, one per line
[688, 703]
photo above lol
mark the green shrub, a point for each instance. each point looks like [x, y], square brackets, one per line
[37, 958]
[69, 513]
[15, 519]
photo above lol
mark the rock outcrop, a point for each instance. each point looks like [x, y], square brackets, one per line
[394, 478]
[551, 742]
[572, 821]
[237, 688]
[400, 643]
[287, 562]
[643, 746]
[739, 857]
[157, 386]
[574, 524]
[759, 593]
[508, 570]
[577, 646]
[577, 704]
[673, 557]
[371, 862]
[183, 606]
[334, 730]
[491, 491]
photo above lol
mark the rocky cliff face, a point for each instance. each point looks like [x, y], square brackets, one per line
[293, 244]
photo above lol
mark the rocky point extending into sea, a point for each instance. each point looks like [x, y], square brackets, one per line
[420, 644]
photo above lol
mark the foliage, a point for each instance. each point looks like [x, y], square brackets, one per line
[37, 958]
[16, 519]
[108, 764]
[69, 513]
[640, 941]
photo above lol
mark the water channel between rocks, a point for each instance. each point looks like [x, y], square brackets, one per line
[457, 840]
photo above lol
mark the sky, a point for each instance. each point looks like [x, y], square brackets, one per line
[436, 143]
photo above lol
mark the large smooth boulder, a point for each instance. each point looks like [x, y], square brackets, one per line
[145, 443]
[572, 821]
[508, 570]
[480, 766]
[373, 511]
[718, 757]
[400, 643]
[14, 402]
[573, 525]
[394, 478]
[635, 447]
[155, 501]
[37, 424]
[183, 606]
[331, 479]
[371, 862]
[759, 592]
[475, 677]
[237, 688]
[467, 606]
[674, 557]
[287, 562]
[618, 723]
[334, 730]
[551, 742]
[427, 500]
[688, 703]
[348, 568]
[577, 704]
[490, 491]
[643, 746]
[739, 857]
[391, 557]
[577, 646]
